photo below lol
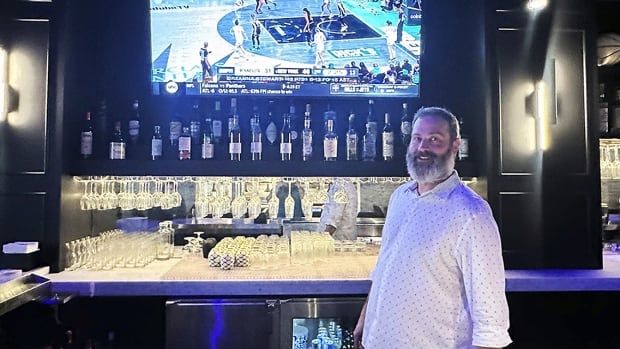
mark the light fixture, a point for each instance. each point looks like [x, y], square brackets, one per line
[536, 5]
[542, 139]
[4, 83]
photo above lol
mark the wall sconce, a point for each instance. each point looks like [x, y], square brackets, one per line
[540, 114]
[536, 5]
[4, 83]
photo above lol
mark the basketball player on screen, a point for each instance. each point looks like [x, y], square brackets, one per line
[308, 27]
[324, 7]
[390, 39]
[319, 40]
[239, 34]
[255, 32]
[204, 61]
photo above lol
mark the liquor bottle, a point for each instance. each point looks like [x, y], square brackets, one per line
[306, 136]
[371, 119]
[464, 145]
[271, 134]
[330, 142]
[256, 143]
[208, 139]
[286, 141]
[134, 123]
[86, 138]
[101, 141]
[388, 139]
[175, 131]
[217, 122]
[185, 145]
[232, 113]
[117, 143]
[295, 127]
[157, 145]
[405, 126]
[194, 125]
[369, 148]
[234, 140]
[351, 139]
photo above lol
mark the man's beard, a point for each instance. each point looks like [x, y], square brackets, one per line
[437, 170]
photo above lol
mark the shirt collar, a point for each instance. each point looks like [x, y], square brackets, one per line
[442, 190]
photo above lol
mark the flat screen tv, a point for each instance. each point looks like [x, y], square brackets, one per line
[286, 47]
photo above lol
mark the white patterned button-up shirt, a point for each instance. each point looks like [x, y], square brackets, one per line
[439, 280]
[343, 217]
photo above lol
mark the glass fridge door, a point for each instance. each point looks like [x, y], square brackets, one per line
[321, 323]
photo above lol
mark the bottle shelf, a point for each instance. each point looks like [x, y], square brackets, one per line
[395, 168]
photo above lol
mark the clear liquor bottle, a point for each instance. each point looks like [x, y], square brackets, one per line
[134, 123]
[86, 138]
[405, 126]
[330, 142]
[117, 143]
[371, 119]
[217, 122]
[369, 148]
[286, 141]
[234, 139]
[351, 139]
[156, 144]
[194, 124]
[306, 136]
[232, 113]
[256, 143]
[388, 139]
[185, 145]
[271, 133]
[175, 130]
[207, 145]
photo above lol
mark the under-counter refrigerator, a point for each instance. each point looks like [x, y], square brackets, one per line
[297, 323]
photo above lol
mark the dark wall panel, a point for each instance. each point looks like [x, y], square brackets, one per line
[24, 134]
[22, 217]
[520, 228]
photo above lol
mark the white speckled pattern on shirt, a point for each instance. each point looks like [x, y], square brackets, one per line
[439, 280]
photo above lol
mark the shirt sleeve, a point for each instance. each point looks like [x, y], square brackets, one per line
[479, 255]
[332, 211]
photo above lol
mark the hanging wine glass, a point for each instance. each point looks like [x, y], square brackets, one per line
[289, 203]
[273, 204]
[340, 196]
[254, 204]
[307, 201]
[239, 205]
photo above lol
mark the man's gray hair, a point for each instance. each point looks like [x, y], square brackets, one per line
[442, 113]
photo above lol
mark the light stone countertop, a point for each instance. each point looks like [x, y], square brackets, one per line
[158, 279]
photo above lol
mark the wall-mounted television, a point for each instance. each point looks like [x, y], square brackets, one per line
[317, 48]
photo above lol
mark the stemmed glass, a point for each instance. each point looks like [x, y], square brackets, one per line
[340, 196]
[321, 196]
[307, 201]
[239, 205]
[273, 204]
[289, 203]
[254, 204]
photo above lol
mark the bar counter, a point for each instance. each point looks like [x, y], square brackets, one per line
[156, 280]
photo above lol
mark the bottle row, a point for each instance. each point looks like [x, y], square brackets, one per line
[204, 137]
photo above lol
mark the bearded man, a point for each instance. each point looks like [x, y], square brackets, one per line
[439, 280]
